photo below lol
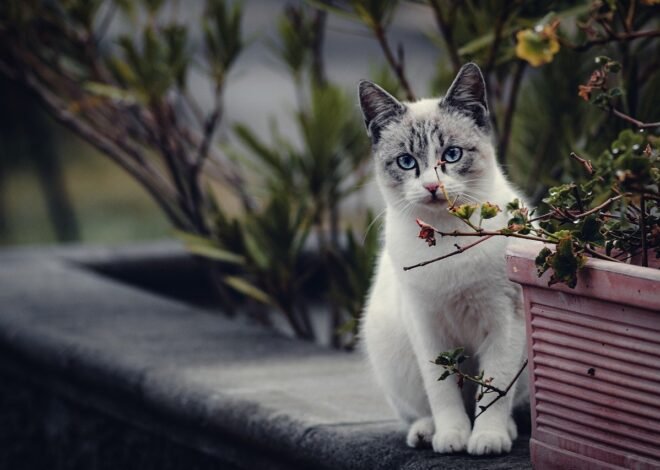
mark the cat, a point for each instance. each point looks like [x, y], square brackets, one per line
[462, 301]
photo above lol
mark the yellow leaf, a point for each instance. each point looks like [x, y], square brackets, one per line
[539, 45]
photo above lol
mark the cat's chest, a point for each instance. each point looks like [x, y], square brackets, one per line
[454, 278]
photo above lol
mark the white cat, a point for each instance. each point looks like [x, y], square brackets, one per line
[463, 301]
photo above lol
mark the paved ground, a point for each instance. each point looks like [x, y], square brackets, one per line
[214, 386]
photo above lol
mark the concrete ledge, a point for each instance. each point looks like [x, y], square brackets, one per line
[152, 376]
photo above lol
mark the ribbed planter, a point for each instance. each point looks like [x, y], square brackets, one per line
[594, 362]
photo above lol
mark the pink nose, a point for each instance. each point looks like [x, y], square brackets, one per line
[432, 187]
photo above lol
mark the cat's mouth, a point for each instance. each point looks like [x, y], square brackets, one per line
[434, 200]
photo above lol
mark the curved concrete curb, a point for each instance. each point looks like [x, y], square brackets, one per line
[189, 382]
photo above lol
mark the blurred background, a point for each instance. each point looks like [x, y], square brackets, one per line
[54, 187]
[234, 126]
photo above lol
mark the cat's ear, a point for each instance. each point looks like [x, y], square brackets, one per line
[468, 94]
[378, 108]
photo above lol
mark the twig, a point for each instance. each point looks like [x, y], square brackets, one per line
[497, 38]
[623, 37]
[600, 255]
[578, 199]
[396, 66]
[632, 120]
[484, 233]
[598, 207]
[316, 46]
[209, 129]
[628, 23]
[642, 223]
[161, 195]
[501, 393]
[445, 27]
[584, 162]
[458, 250]
[510, 110]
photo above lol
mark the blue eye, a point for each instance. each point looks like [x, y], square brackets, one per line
[452, 154]
[406, 162]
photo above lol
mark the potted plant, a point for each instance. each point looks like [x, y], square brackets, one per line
[591, 290]
[593, 326]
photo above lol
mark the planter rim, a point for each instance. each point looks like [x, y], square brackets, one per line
[600, 279]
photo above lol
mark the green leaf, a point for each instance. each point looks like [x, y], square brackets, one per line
[590, 230]
[241, 285]
[444, 375]
[513, 205]
[111, 92]
[465, 211]
[565, 263]
[455, 353]
[489, 210]
[444, 359]
[207, 248]
[541, 261]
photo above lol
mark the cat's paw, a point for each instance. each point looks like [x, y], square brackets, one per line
[490, 442]
[450, 440]
[421, 432]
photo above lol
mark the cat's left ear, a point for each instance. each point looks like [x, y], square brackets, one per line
[468, 94]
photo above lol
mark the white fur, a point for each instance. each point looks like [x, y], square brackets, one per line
[463, 301]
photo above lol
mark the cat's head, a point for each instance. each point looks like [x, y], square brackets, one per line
[418, 146]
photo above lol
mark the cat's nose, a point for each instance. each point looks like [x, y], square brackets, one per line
[432, 187]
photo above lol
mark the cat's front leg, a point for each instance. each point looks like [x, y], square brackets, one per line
[452, 425]
[500, 357]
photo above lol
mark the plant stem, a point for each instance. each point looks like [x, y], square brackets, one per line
[457, 251]
[503, 393]
[623, 37]
[600, 255]
[445, 27]
[396, 66]
[642, 223]
[316, 47]
[510, 110]
[632, 120]
[484, 233]
[584, 162]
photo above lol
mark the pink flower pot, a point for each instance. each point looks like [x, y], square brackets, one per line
[594, 363]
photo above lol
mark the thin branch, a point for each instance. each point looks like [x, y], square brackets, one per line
[597, 254]
[502, 393]
[584, 162]
[160, 194]
[635, 122]
[642, 224]
[210, 125]
[396, 66]
[622, 37]
[497, 38]
[510, 110]
[458, 250]
[598, 207]
[484, 233]
[628, 24]
[446, 29]
[316, 46]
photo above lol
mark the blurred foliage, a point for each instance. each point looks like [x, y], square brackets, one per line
[533, 56]
[304, 188]
[132, 103]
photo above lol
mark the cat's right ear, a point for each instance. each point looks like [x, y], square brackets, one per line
[378, 108]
